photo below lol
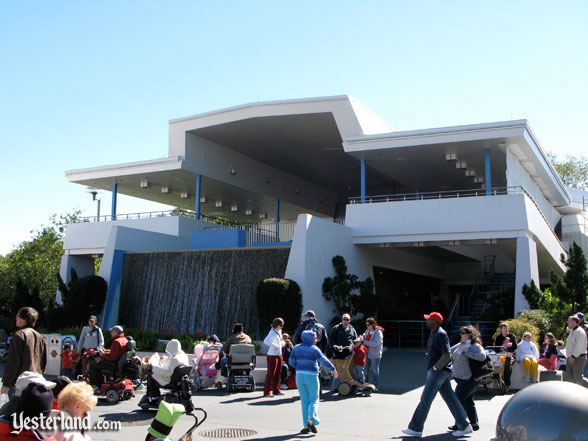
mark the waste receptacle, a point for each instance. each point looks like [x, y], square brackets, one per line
[54, 347]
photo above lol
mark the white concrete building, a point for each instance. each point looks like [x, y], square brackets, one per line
[426, 210]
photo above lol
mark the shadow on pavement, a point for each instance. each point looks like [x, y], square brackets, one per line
[275, 401]
[137, 417]
[283, 437]
[437, 437]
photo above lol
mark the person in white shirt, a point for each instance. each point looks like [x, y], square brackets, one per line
[275, 343]
[576, 353]
[528, 354]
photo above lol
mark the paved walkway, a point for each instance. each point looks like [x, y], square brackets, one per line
[378, 417]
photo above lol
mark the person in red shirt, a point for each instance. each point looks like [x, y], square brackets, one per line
[117, 348]
[67, 358]
[359, 353]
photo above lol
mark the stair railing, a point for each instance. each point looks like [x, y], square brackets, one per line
[453, 313]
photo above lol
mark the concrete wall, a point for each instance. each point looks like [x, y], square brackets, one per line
[315, 243]
[211, 239]
[95, 235]
[517, 175]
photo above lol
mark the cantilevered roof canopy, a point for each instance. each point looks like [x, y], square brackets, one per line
[306, 153]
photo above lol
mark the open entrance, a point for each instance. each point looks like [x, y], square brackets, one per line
[404, 298]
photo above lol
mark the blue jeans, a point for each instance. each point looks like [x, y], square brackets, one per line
[465, 391]
[308, 388]
[586, 370]
[372, 371]
[223, 363]
[358, 373]
[438, 381]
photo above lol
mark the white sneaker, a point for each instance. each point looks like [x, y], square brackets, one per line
[283, 387]
[534, 380]
[463, 432]
[527, 378]
[411, 432]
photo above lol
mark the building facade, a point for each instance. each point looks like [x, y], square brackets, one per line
[425, 213]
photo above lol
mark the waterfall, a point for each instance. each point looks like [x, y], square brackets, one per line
[196, 291]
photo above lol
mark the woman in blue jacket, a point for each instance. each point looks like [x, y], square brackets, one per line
[305, 358]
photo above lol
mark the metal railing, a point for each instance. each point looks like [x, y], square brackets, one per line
[449, 194]
[261, 233]
[405, 333]
[151, 214]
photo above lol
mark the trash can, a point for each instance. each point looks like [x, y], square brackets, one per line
[54, 347]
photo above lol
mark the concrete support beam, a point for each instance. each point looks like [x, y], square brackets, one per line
[527, 269]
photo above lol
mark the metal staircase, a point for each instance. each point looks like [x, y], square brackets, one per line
[468, 309]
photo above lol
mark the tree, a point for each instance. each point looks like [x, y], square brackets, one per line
[36, 261]
[348, 293]
[573, 171]
[572, 288]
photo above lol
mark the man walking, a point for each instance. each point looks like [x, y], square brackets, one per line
[27, 350]
[576, 353]
[438, 380]
[310, 323]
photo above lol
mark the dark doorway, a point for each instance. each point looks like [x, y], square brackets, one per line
[406, 296]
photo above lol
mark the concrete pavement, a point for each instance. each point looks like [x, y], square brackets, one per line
[378, 417]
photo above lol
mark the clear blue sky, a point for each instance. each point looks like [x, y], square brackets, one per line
[91, 83]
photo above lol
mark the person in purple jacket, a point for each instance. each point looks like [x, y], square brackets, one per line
[305, 358]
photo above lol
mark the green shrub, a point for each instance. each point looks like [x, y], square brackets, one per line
[278, 298]
[518, 326]
[544, 321]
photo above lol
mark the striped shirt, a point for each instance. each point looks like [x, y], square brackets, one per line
[461, 365]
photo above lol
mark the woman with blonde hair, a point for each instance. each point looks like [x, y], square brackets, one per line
[76, 401]
[528, 354]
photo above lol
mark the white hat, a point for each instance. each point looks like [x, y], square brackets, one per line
[28, 377]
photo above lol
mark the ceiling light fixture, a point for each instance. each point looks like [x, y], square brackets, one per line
[234, 208]
[165, 190]
[202, 199]
[451, 156]
[262, 215]
[144, 183]
[218, 204]
[185, 195]
[233, 171]
[248, 212]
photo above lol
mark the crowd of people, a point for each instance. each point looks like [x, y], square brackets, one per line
[299, 360]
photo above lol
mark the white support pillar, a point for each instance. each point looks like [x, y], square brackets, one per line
[527, 270]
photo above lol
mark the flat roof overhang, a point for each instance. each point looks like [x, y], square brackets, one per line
[173, 174]
[392, 153]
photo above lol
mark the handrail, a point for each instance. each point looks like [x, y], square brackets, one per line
[543, 216]
[453, 309]
[445, 194]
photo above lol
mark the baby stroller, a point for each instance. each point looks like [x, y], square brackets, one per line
[496, 381]
[206, 356]
[347, 382]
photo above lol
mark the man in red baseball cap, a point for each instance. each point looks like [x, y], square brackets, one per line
[438, 380]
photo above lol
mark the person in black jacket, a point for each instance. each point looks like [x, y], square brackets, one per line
[342, 338]
[498, 341]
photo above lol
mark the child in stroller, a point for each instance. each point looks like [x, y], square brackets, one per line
[206, 358]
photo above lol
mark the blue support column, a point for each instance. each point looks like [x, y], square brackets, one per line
[277, 218]
[362, 180]
[114, 195]
[198, 196]
[488, 177]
